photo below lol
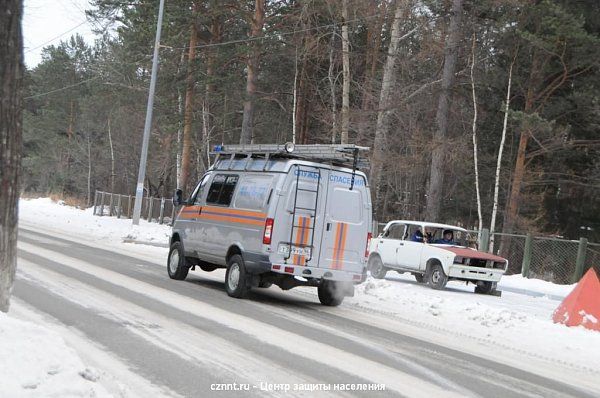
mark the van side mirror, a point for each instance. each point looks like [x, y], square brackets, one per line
[178, 198]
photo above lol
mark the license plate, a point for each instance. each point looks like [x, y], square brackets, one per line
[299, 251]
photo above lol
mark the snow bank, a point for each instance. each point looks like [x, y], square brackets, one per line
[36, 362]
[517, 322]
[44, 212]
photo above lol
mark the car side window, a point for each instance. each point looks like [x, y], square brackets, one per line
[221, 189]
[196, 196]
[395, 231]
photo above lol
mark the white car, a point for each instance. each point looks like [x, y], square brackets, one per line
[434, 253]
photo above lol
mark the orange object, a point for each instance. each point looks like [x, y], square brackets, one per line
[582, 306]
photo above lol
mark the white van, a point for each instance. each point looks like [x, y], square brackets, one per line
[290, 215]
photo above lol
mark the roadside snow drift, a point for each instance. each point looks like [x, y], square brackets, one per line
[36, 362]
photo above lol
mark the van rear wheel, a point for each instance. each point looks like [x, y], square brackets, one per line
[177, 265]
[236, 277]
[329, 294]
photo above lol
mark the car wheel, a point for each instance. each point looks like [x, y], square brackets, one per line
[485, 287]
[436, 278]
[329, 294]
[236, 278]
[376, 267]
[420, 278]
[177, 266]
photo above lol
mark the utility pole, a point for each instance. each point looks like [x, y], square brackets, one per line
[139, 190]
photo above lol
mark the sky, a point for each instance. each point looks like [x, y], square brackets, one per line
[47, 22]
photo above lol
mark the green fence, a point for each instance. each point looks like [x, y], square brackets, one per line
[551, 259]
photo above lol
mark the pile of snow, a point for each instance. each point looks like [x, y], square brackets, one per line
[519, 322]
[83, 223]
[36, 362]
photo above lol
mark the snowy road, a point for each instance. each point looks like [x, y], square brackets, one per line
[153, 336]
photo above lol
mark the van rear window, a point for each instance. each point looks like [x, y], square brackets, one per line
[221, 189]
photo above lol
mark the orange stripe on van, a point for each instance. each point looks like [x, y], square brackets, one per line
[336, 245]
[305, 238]
[229, 218]
[342, 246]
[299, 234]
[228, 211]
[339, 244]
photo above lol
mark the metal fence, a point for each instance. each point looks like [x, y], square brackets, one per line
[551, 259]
[159, 210]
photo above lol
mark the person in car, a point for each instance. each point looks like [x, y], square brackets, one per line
[447, 238]
[417, 236]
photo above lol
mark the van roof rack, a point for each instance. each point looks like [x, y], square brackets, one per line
[348, 155]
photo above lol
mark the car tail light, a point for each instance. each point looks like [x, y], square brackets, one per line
[289, 270]
[369, 236]
[268, 231]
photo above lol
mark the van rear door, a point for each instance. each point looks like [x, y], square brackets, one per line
[347, 223]
[299, 216]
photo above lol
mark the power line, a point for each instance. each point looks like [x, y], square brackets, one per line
[63, 88]
[54, 38]
[277, 35]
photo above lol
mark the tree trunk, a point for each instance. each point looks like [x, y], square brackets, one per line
[332, 88]
[189, 109]
[179, 148]
[512, 203]
[499, 162]
[11, 119]
[89, 176]
[436, 177]
[373, 46]
[295, 99]
[383, 115]
[112, 160]
[475, 162]
[252, 64]
[345, 75]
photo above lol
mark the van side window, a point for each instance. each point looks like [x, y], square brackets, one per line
[221, 189]
[253, 192]
[196, 196]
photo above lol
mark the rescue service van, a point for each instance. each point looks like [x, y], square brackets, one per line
[290, 215]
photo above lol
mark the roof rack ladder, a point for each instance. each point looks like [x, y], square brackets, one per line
[312, 211]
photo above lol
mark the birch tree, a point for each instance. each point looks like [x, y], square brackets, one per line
[345, 75]
[499, 161]
[475, 163]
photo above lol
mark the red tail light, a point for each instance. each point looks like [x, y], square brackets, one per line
[268, 231]
[369, 236]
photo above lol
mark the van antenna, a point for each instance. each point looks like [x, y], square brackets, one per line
[354, 165]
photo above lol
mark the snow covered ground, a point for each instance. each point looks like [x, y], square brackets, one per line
[36, 362]
[517, 323]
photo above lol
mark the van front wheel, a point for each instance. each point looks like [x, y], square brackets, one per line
[177, 265]
[236, 278]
